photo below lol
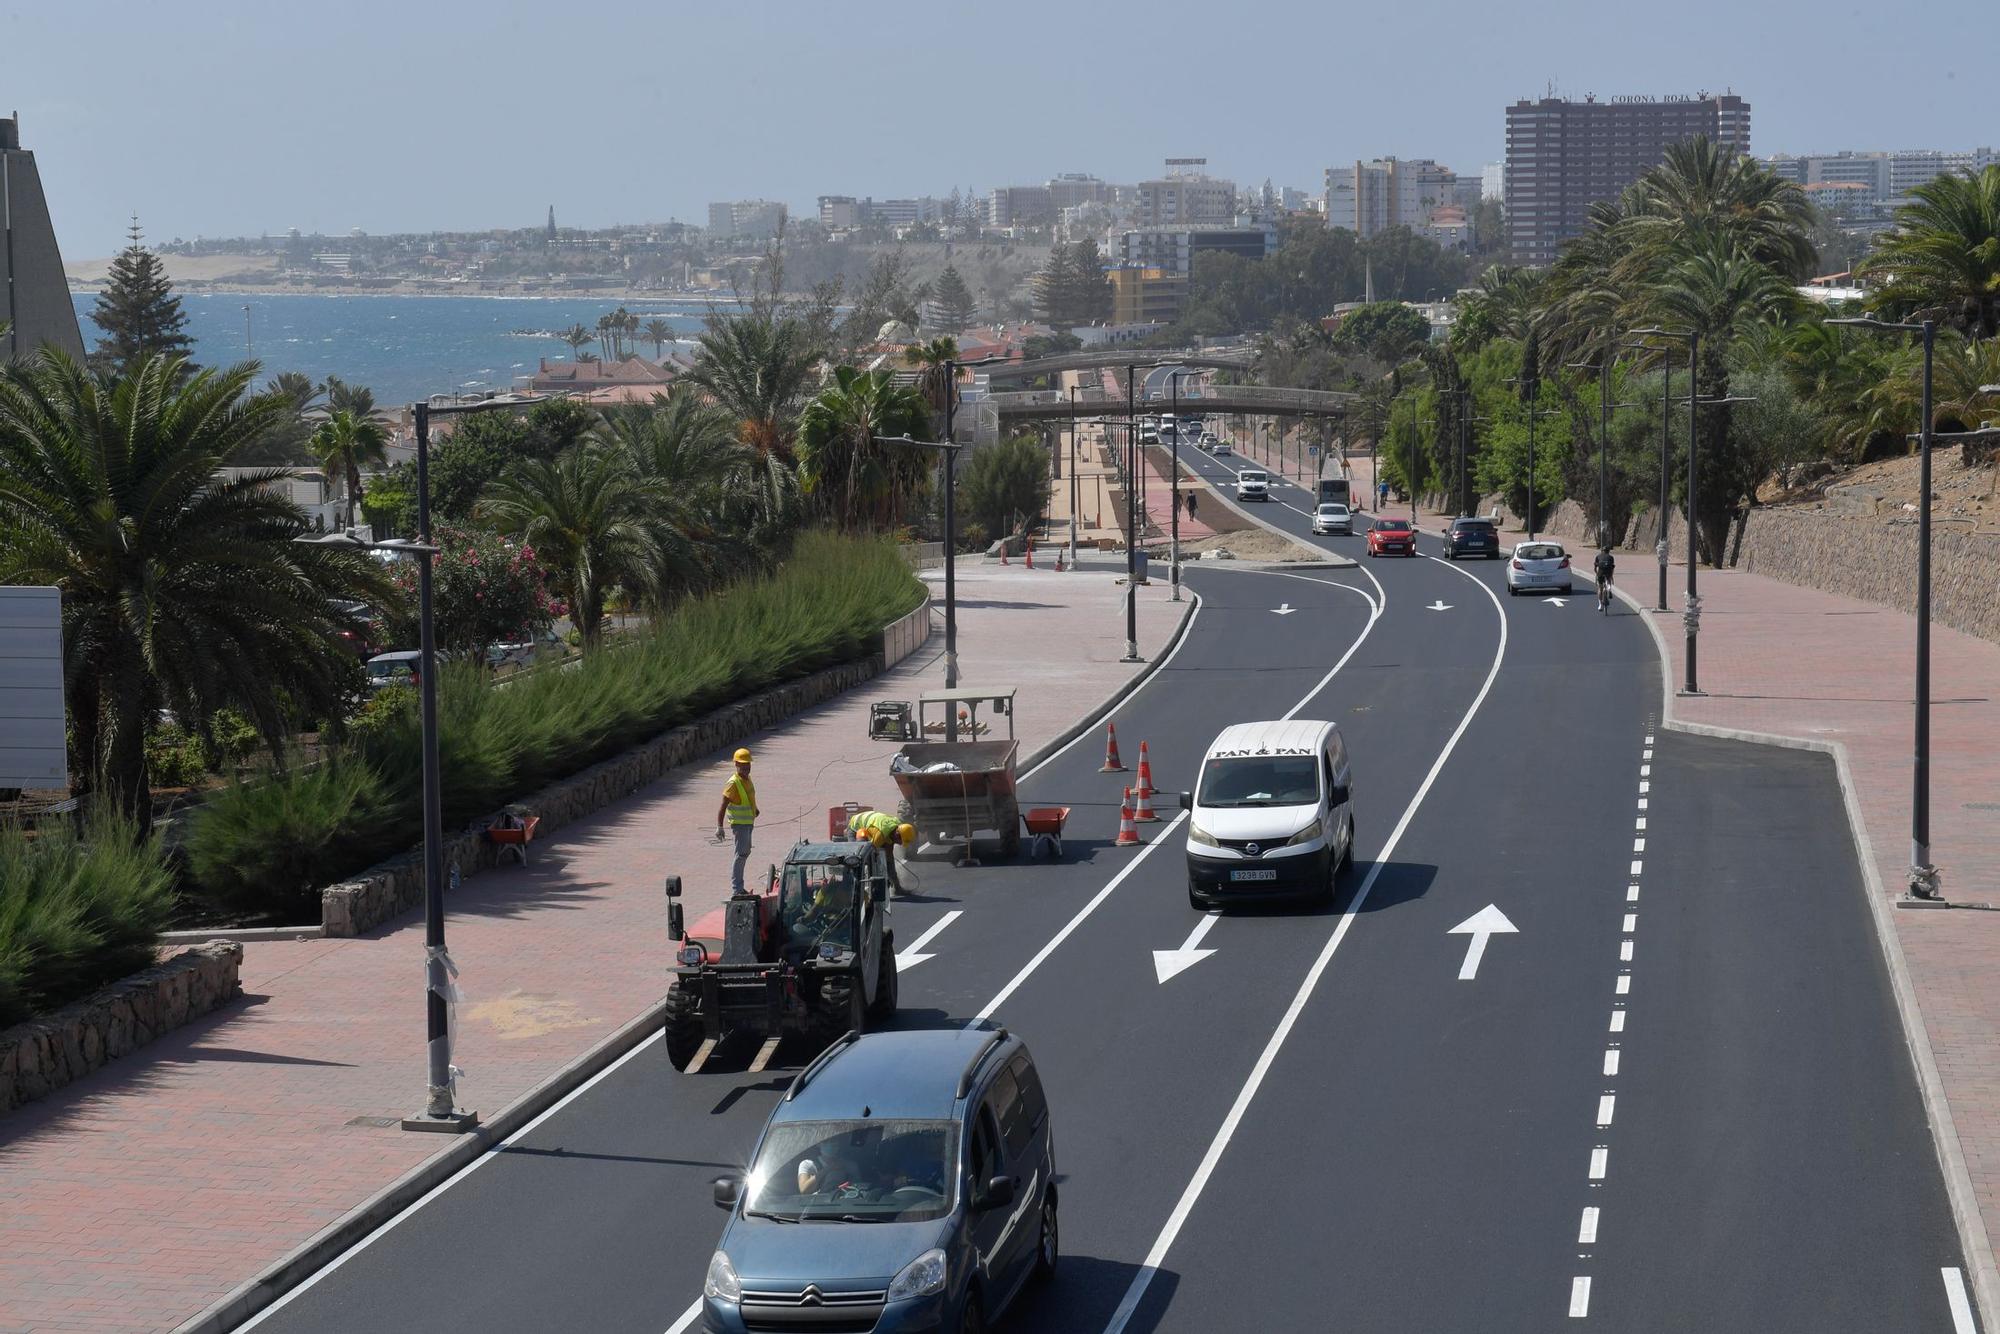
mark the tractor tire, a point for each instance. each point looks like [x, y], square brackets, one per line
[836, 1010]
[682, 1026]
[884, 1008]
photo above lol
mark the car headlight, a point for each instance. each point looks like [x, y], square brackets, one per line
[921, 1277]
[1196, 834]
[1306, 835]
[722, 1283]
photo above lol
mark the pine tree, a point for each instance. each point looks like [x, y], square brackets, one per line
[955, 306]
[137, 310]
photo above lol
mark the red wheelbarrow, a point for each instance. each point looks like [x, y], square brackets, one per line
[1045, 826]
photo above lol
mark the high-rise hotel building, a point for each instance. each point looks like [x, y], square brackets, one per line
[1564, 156]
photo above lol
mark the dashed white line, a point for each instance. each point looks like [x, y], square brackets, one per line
[1631, 922]
[1618, 1021]
[1605, 1106]
[1638, 845]
[1646, 755]
[1638, 867]
[1611, 1060]
[1586, 1232]
[1642, 803]
[1645, 771]
[1579, 1296]
[1641, 820]
[1961, 1305]
[1632, 894]
[1625, 984]
[1625, 952]
[1649, 741]
[1599, 1158]
[1645, 787]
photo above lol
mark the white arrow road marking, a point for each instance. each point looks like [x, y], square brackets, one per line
[1283, 609]
[1172, 963]
[1481, 926]
[1439, 605]
[1556, 602]
[910, 956]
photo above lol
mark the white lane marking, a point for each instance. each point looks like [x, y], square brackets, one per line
[1632, 894]
[1138, 860]
[1172, 963]
[1439, 605]
[1645, 771]
[1586, 1232]
[1645, 754]
[1625, 952]
[1638, 845]
[1649, 741]
[1579, 1296]
[1961, 1305]
[445, 1185]
[1638, 867]
[1618, 1021]
[1187, 634]
[1136, 1291]
[1642, 803]
[1631, 922]
[1611, 1060]
[1283, 609]
[1555, 602]
[1605, 1106]
[688, 1317]
[1624, 987]
[1599, 1158]
[912, 954]
[1645, 787]
[1482, 926]
[1640, 818]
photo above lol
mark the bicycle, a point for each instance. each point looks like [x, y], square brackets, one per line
[1603, 597]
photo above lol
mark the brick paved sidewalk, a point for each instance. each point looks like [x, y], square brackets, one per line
[137, 1197]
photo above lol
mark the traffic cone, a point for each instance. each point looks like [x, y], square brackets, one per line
[1128, 833]
[1112, 764]
[1146, 789]
[1031, 553]
[1143, 810]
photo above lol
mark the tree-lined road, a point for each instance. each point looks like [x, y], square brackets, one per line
[1675, 1095]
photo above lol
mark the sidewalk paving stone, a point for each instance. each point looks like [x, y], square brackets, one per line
[166, 1179]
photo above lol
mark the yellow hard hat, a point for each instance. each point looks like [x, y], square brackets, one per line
[742, 756]
[906, 834]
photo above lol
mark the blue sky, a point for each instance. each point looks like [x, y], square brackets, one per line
[228, 119]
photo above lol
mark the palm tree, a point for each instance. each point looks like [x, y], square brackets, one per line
[841, 457]
[1942, 259]
[356, 399]
[757, 369]
[577, 337]
[607, 336]
[180, 591]
[659, 333]
[1705, 193]
[586, 513]
[684, 452]
[934, 383]
[343, 443]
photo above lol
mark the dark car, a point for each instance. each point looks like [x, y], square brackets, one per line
[906, 1182]
[1470, 536]
[1392, 535]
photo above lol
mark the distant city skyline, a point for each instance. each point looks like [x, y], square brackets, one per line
[455, 116]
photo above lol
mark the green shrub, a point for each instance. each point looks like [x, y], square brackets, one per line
[231, 739]
[174, 758]
[76, 912]
[271, 843]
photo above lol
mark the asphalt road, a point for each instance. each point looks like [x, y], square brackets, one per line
[1686, 1052]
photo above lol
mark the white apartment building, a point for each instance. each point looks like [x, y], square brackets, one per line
[1887, 176]
[1370, 197]
[1186, 200]
[746, 219]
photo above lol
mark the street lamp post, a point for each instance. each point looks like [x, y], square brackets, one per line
[1534, 411]
[950, 449]
[1131, 522]
[1175, 564]
[1691, 612]
[1074, 495]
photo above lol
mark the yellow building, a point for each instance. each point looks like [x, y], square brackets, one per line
[1146, 295]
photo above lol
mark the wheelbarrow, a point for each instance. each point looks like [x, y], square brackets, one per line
[1045, 826]
[514, 836]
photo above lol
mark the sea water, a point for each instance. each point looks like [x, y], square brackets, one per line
[403, 347]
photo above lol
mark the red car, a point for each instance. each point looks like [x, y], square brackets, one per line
[1389, 536]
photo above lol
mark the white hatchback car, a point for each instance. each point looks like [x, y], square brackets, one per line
[1333, 517]
[1539, 567]
[1221, 449]
[1253, 484]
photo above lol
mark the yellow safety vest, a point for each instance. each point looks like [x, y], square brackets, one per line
[873, 822]
[741, 797]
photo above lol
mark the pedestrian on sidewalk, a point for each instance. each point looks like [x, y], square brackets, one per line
[739, 808]
[1190, 504]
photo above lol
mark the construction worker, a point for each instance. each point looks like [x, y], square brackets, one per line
[885, 832]
[739, 808]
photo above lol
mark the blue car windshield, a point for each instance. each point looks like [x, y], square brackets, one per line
[873, 1171]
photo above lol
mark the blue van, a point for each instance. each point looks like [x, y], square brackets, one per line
[906, 1181]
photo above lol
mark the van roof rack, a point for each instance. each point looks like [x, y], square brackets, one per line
[820, 1060]
[986, 1048]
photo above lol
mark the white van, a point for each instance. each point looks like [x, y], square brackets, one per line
[1271, 813]
[1253, 484]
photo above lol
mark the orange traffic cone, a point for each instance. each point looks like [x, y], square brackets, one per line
[1128, 833]
[1143, 811]
[1112, 764]
[1146, 789]
[1031, 553]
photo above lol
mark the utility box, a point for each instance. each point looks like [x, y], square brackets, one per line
[33, 744]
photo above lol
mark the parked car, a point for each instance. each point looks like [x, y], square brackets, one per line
[1538, 567]
[923, 1162]
[393, 669]
[526, 652]
[1333, 517]
[1392, 536]
[1470, 535]
[357, 628]
[1253, 484]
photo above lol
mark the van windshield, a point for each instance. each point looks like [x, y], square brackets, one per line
[873, 1171]
[1260, 780]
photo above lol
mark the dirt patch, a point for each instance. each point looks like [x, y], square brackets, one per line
[1963, 499]
[1252, 543]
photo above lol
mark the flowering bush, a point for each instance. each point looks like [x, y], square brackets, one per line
[486, 591]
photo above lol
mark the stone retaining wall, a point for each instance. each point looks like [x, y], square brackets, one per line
[1877, 562]
[902, 637]
[42, 1055]
[397, 885]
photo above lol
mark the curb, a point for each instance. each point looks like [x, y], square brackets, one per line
[1971, 1224]
[249, 1298]
[244, 935]
[1048, 749]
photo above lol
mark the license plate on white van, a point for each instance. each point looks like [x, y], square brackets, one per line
[1265, 874]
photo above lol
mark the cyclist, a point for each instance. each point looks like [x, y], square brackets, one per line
[1603, 566]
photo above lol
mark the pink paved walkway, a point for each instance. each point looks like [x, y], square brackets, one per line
[138, 1197]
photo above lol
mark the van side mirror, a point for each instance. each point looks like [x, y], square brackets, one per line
[1187, 801]
[727, 1191]
[676, 929]
[998, 1193]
